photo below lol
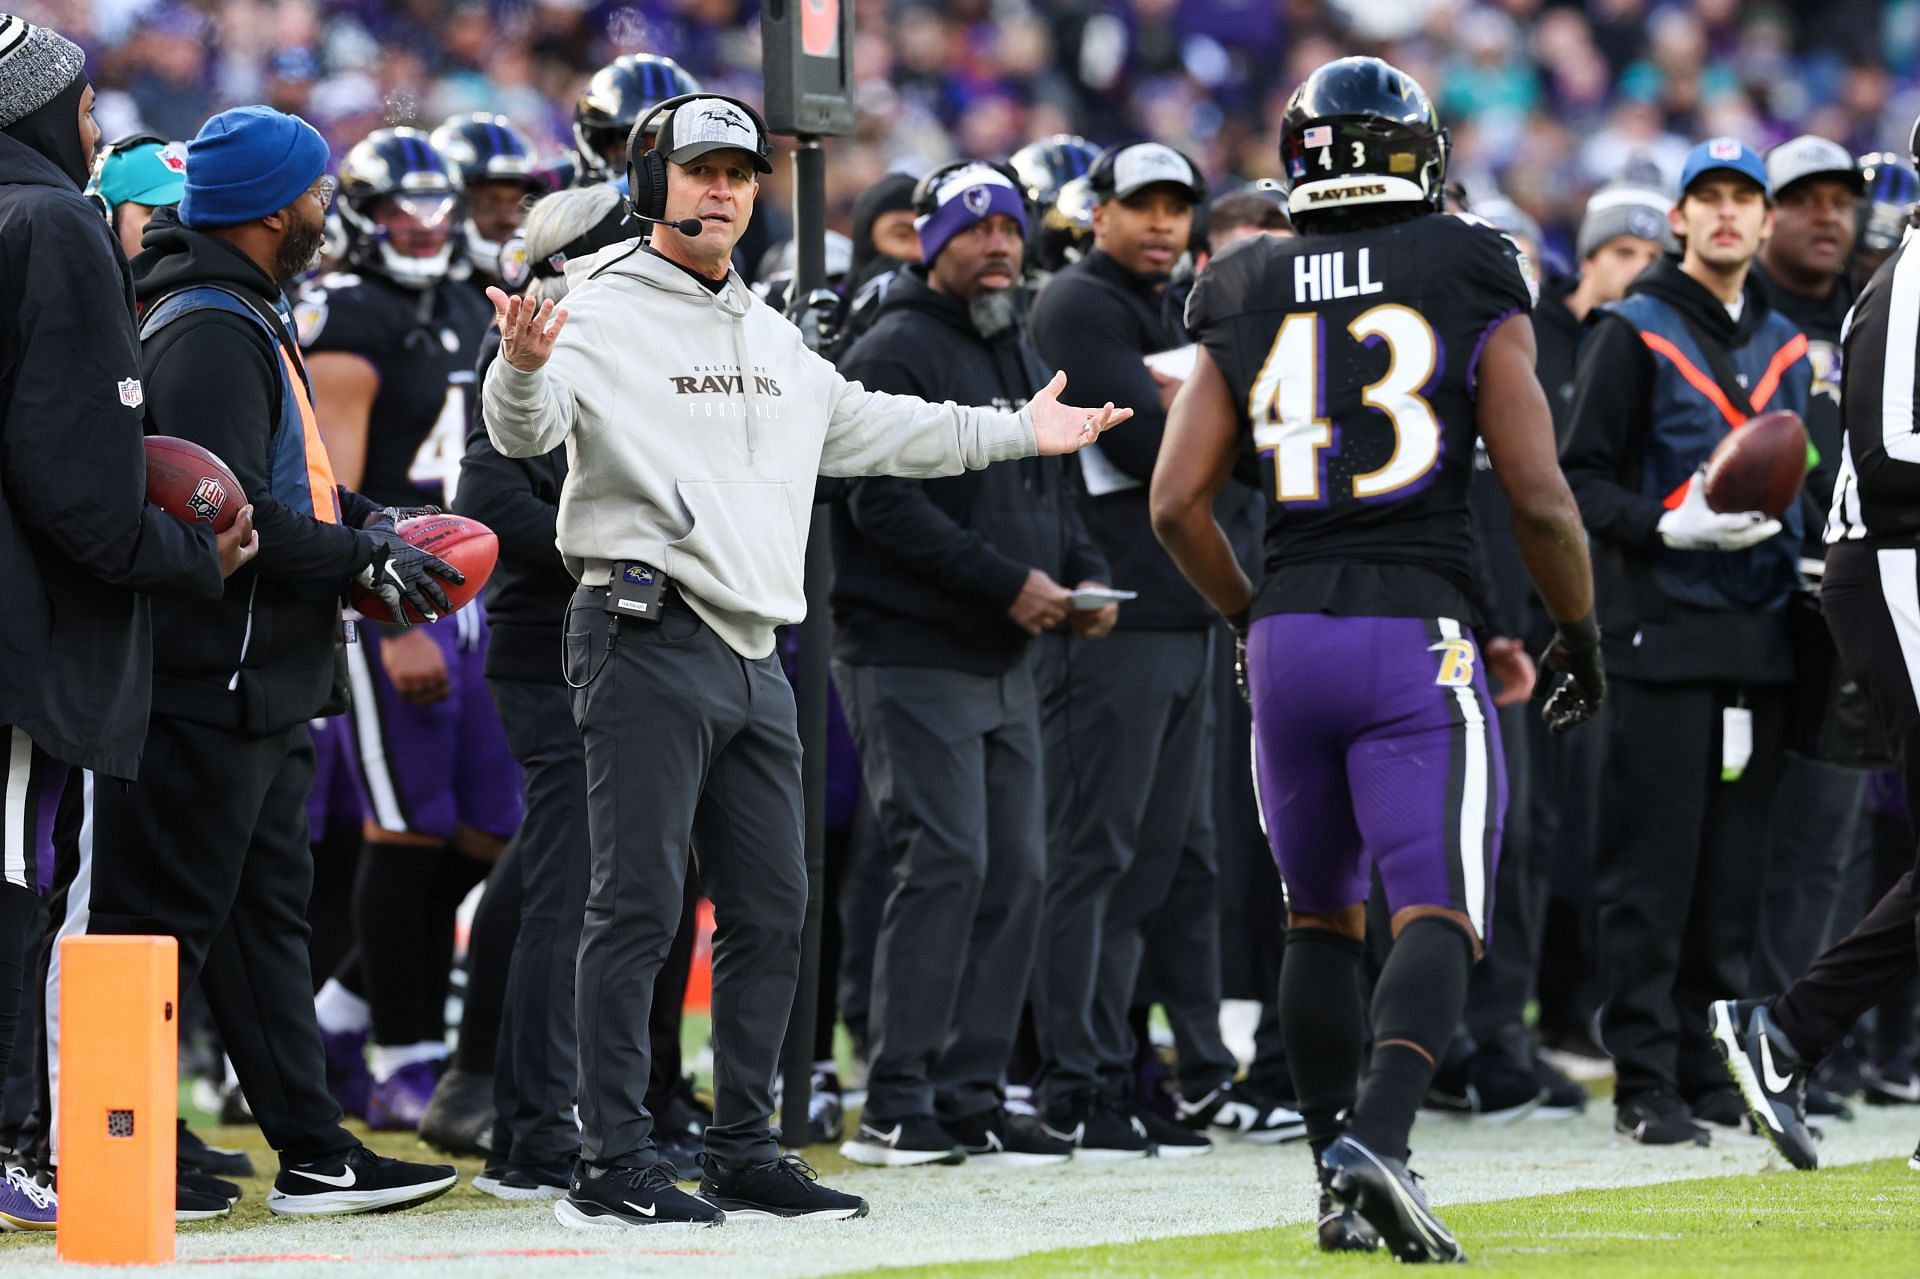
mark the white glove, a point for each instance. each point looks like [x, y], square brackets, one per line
[1695, 526]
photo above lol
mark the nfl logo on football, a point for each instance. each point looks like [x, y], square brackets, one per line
[208, 497]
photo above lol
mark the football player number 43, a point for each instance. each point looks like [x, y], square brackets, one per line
[438, 459]
[1287, 405]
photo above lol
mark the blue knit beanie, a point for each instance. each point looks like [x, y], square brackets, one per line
[248, 162]
[966, 195]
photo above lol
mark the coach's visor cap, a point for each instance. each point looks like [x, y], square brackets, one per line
[1808, 156]
[1136, 166]
[711, 124]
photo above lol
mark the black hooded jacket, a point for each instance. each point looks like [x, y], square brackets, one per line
[1608, 425]
[78, 541]
[265, 658]
[925, 570]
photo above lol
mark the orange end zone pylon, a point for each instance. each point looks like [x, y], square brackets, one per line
[119, 1098]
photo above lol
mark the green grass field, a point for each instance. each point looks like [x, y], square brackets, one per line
[1861, 1221]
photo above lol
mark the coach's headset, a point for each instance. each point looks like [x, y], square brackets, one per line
[647, 168]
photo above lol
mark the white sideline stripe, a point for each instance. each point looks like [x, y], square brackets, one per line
[1475, 790]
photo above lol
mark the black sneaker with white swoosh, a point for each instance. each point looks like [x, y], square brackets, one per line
[1769, 1073]
[1233, 1111]
[906, 1142]
[998, 1138]
[621, 1196]
[1095, 1128]
[358, 1181]
[785, 1187]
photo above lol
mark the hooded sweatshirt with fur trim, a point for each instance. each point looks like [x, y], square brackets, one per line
[695, 425]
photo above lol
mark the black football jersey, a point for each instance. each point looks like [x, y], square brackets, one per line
[424, 343]
[1352, 359]
[1877, 495]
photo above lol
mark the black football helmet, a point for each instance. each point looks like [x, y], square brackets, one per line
[400, 165]
[1892, 188]
[1064, 231]
[1359, 131]
[617, 96]
[483, 147]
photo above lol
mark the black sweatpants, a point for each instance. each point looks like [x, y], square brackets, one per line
[1682, 860]
[209, 846]
[1871, 597]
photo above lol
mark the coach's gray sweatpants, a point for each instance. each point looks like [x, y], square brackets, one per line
[688, 745]
[953, 765]
[1125, 721]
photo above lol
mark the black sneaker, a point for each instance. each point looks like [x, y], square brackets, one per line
[1892, 1083]
[190, 1204]
[215, 1161]
[1658, 1120]
[1565, 1099]
[1486, 1088]
[619, 1196]
[1170, 1140]
[999, 1139]
[1770, 1076]
[826, 1112]
[1722, 1111]
[201, 1183]
[517, 1182]
[786, 1187]
[1235, 1111]
[459, 1119]
[1341, 1229]
[1827, 1105]
[1095, 1129]
[358, 1181]
[1386, 1195]
[900, 1143]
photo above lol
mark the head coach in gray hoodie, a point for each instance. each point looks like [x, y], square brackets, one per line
[696, 421]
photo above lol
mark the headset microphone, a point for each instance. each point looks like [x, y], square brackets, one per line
[685, 226]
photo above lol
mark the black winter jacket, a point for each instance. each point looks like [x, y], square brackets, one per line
[925, 570]
[78, 542]
[519, 499]
[266, 657]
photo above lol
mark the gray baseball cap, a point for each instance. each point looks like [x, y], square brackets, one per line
[1808, 156]
[712, 124]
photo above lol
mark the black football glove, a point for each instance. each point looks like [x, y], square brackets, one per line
[402, 572]
[1572, 681]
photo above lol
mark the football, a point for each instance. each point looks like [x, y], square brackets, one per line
[1759, 466]
[468, 545]
[189, 483]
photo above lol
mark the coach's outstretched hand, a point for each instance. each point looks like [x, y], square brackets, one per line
[528, 329]
[1061, 428]
[1572, 681]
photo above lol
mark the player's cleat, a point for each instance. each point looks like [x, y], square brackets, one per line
[1170, 1140]
[786, 1187]
[517, 1182]
[1658, 1120]
[348, 1078]
[398, 1102]
[1770, 1076]
[1341, 1229]
[1095, 1129]
[1387, 1196]
[1892, 1083]
[613, 1197]
[215, 1161]
[999, 1139]
[190, 1204]
[901, 1143]
[1232, 1110]
[358, 1181]
[459, 1119]
[26, 1204]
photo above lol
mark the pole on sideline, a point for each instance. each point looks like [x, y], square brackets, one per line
[119, 1099]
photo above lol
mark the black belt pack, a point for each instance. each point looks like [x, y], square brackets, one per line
[636, 590]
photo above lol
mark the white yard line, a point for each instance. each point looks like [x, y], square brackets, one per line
[957, 1214]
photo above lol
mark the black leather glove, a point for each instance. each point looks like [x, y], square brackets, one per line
[403, 573]
[1572, 681]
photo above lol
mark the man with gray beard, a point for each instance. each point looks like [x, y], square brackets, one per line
[940, 587]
